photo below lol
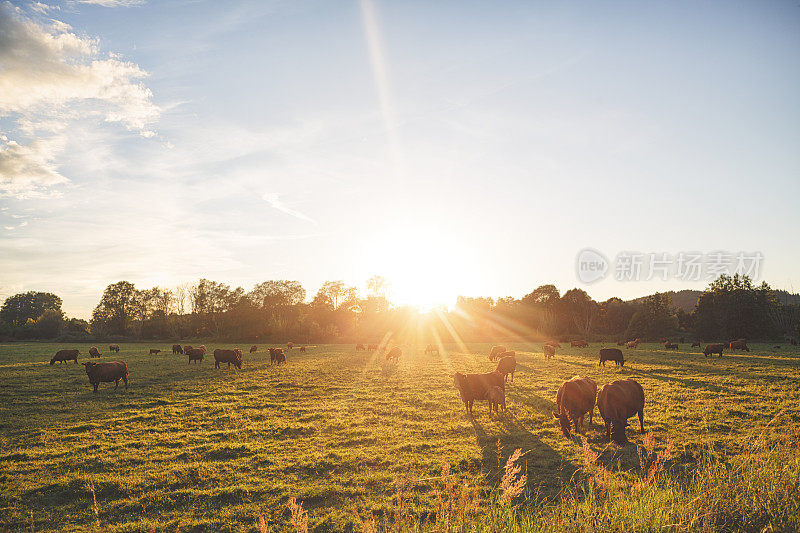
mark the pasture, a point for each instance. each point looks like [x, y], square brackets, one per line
[191, 448]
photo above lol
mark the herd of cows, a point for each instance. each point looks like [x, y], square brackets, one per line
[616, 402]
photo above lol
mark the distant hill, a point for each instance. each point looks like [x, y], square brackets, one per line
[687, 299]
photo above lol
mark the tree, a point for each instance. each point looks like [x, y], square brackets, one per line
[50, 324]
[18, 309]
[119, 304]
[338, 294]
[377, 286]
[580, 307]
[655, 318]
[732, 307]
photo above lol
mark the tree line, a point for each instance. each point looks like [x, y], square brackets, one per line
[278, 310]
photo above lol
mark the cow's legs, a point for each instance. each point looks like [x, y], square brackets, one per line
[641, 419]
[116, 384]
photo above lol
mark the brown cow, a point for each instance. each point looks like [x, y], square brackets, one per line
[579, 344]
[106, 373]
[476, 387]
[113, 348]
[302, 349]
[494, 353]
[94, 352]
[177, 349]
[554, 344]
[497, 398]
[154, 351]
[575, 398]
[712, 349]
[696, 344]
[290, 345]
[195, 354]
[611, 354]
[65, 355]
[670, 345]
[617, 402]
[631, 344]
[227, 356]
[275, 355]
[394, 354]
[549, 351]
[740, 344]
[253, 348]
[187, 348]
[238, 352]
[507, 365]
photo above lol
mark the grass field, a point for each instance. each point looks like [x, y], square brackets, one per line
[191, 448]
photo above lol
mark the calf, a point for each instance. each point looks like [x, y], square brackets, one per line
[507, 365]
[65, 355]
[253, 348]
[394, 354]
[670, 346]
[227, 356]
[740, 344]
[549, 351]
[494, 353]
[611, 354]
[579, 344]
[113, 348]
[195, 354]
[106, 373]
[153, 351]
[497, 398]
[476, 387]
[177, 349]
[94, 352]
[715, 348]
[617, 402]
[574, 399]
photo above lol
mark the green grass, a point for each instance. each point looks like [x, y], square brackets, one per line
[192, 448]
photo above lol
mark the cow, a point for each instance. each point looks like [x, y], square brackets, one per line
[187, 348]
[696, 344]
[617, 402]
[202, 347]
[631, 344]
[177, 349]
[94, 352]
[154, 351]
[302, 349]
[579, 344]
[394, 354]
[195, 354]
[431, 349]
[506, 365]
[290, 345]
[548, 350]
[238, 352]
[497, 398]
[476, 387]
[65, 355]
[715, 348]
[495, 352]
[611, 354]
[227, 356]
[740, 344]
[372, 347]
[253, 349]
[275, 355]
[360, 346]
[670, 346]
[106, 373]
[554, 344]
[574, 399]
[113, 348]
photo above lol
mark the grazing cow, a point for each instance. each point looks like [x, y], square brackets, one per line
[195, 354]
[740, 344]
[94, 352]
[302, 349]
[579, 344]
[106, 373]
[715, 348]
[549, 351]
[670, 346]
[290, 345]
[394, 354]
[177, 349]
[253, 349]
[187, 348]
[372, 347]
[113, 348]
[431, 349]
[617, 402]
[227, 356]
[497, 398]
[507, 365]
[575, 398]
[495, 352]
[153, 351]
[631, 344]
[696, 344]
[360, 346]
[611, 354]
[65, 355]
[476, 387]
[275, 355]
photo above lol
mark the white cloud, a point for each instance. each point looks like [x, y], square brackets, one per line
[113, 3]
[28, 171]
[273, 199]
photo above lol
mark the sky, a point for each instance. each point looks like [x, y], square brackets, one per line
[452, 147]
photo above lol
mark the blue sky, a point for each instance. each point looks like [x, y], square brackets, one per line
[452, 147]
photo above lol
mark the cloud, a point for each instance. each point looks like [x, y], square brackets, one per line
[273, 199]
[49, 78]
[113, 3]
